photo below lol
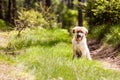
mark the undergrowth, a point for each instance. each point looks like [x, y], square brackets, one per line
[108, 34]
[4, 26]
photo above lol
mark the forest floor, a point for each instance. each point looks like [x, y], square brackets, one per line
[106, 55]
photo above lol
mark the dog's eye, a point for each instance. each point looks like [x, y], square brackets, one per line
[79, 32]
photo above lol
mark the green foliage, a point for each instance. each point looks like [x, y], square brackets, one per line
[4, 26]
[96, 32]
[110, 36]
[114, 36]
[66, 16]
[103, 12]
[31, 18]
[70, 18]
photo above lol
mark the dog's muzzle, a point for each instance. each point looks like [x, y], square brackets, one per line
[79, 36]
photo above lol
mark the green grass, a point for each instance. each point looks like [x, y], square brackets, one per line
[4, 26]
[47, 54]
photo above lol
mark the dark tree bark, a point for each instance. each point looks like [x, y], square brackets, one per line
[11, 13]
[80, 18]
[48, 3]
[26, 3]
[2, 16]
[70, 4]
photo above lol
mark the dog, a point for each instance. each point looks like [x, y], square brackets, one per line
[79, 42]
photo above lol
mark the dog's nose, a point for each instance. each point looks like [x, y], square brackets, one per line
[78, 36]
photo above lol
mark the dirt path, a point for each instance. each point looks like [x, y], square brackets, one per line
[105, 54]
[3, 39]
[10, 71]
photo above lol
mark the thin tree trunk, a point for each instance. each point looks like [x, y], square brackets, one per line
[48, 3]
[70, 4]
[1, 9]
[11, 13]
[26, 3]
[80, 18]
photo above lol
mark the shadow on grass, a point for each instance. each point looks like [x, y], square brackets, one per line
[52, 43]
[43, 43]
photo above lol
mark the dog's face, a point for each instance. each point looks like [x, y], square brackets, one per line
[79, 32]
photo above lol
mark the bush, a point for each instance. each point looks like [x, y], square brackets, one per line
[103, 12]
[70, 18]
[30, 18]
[114, 36]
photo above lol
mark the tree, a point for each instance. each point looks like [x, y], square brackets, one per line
[26, 3]
[80, 19]
[11, 13]
[70, 4]
[48, 3]
[1, 9]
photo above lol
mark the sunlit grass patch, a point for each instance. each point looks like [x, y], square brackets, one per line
[7, 58]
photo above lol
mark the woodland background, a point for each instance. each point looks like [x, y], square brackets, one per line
[35, 39]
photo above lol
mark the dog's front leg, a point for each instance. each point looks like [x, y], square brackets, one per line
[89, 56]
[84, 54]
[74, 54]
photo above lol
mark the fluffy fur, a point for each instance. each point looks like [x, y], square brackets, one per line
[79, 43]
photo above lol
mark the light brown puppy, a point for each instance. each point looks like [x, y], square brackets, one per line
[79, 43]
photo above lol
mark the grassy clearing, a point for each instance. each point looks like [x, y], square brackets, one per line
[47, 54]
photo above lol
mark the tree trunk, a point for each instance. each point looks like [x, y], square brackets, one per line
[80, 18]
[26, 3]
[2, 9]
[11, 13]
[48, 3]
[70, 4]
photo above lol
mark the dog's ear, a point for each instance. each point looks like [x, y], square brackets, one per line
[73, 31]
[85, 30]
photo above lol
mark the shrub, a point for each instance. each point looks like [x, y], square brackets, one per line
[114, 36]
[31, 18]
[70, 18]
[103, 12]
[97, 32]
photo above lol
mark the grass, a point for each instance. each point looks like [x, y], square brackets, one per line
[4, 26]
[47, 54]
